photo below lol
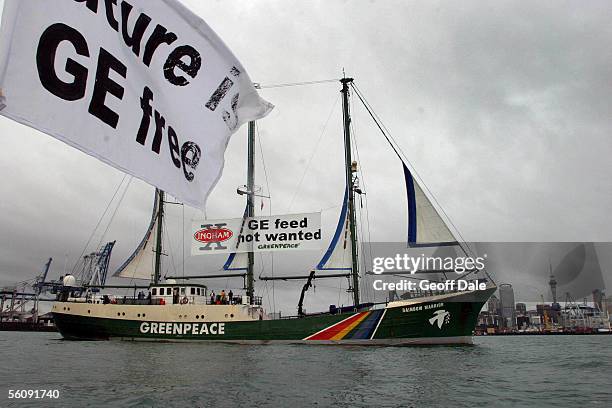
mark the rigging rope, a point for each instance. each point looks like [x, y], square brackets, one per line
[115, 211]
[323, 81]
[265, 169]
[183, 234]
[113, 215]
[171, 251]
[297, 190]
[402, 156]
[98, 224]
[362, 225]
[398, 151]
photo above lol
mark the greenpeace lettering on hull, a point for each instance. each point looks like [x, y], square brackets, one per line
[182, 328]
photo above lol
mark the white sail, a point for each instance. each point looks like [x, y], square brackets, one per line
[425, 225]
[338, 254]
[141, 264]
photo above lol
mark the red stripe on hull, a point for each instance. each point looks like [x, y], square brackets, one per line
[330, 332]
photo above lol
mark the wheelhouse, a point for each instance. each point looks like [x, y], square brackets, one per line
[173, 293]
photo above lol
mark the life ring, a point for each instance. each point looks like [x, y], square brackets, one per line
[184, 301]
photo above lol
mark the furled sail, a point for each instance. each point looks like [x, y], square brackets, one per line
[141, 263]
[425, 225]
[338, 254]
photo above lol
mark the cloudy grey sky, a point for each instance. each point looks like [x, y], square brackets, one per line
[502, 107]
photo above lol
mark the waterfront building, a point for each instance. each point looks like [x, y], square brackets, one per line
[598, 298]
[493, 305]
[535, 318]
[522, 322]
[506, 298]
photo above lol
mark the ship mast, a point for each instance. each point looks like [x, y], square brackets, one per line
[349, 185]
[250, 211]
[158, 243]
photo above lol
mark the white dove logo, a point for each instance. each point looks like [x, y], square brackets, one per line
[441, 317]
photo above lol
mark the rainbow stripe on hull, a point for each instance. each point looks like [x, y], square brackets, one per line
[359, 326]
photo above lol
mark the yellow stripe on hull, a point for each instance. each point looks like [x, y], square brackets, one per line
[350, 327]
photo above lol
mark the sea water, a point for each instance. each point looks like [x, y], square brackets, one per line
[500, 371]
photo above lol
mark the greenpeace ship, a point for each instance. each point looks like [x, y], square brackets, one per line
[173, 309]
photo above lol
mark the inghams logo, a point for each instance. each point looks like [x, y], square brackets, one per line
[213, 234]
[440, 317]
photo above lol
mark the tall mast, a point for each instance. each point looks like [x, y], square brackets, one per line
[158, 243]
[251, 205]
[349, 184]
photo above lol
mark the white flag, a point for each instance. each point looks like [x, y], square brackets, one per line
[145, 86]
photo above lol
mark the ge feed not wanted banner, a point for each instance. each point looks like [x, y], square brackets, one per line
[257, 234]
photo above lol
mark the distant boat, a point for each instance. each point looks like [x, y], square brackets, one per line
[176, 310]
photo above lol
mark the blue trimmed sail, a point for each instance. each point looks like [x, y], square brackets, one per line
[425, 225]
[237, 261]
[338, 254]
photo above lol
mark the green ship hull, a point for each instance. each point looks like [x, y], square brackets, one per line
[443, 319]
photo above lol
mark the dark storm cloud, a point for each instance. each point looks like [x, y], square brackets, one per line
[502, 107]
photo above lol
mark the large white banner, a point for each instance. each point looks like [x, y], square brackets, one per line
[257, 234]
[143, 85]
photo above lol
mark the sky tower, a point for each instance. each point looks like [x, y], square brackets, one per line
[553, 284]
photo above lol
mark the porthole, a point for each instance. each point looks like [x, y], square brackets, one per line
[138, 314]
[89, 311]
[232, 315]
[226, 315]
[118, 314]
[180, 316]
[68, 309]
[197, 316]
[143, 315]
[64, 307]
[123, 314]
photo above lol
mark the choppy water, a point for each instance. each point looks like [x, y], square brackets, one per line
[513, 371]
